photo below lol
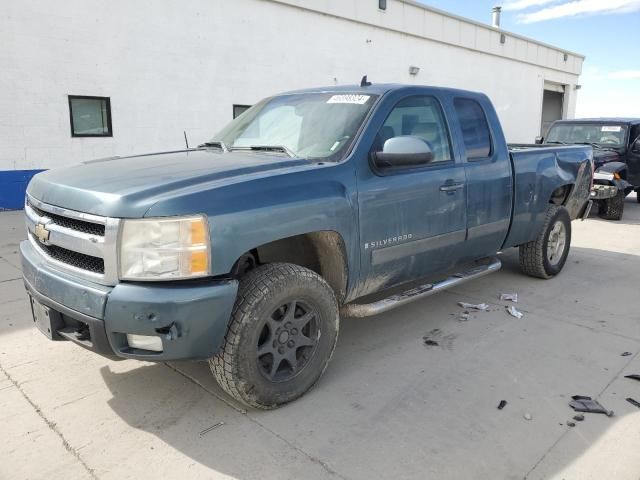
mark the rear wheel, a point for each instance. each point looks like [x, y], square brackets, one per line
[545, 256]
[282, 333]
[612, 208]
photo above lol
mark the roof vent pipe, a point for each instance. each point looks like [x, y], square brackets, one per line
[495, 16]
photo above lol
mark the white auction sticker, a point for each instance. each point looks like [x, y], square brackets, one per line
[357, 99]
[610, 128]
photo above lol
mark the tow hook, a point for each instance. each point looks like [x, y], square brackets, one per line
[170, 332]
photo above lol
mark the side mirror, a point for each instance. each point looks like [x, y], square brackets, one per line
[404, 151]
[539, 140]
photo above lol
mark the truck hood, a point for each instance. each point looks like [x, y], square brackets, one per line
[600, 157]
[128, 186]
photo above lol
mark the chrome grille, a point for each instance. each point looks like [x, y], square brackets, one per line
[75, 259]
[81, 243]
[72, 223]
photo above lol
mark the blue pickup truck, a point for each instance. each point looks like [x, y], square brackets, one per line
[311, 205]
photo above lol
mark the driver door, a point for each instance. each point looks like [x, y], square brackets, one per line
[633, 156]
[412, 219]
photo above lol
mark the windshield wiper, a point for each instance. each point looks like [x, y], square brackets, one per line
[266, 148]
[598, 146]
[218, 144]
[558, 143]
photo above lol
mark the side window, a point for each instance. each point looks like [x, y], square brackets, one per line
[635, 134]
[475, 130]
[421, 117]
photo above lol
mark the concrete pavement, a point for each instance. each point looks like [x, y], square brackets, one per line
[387, 407]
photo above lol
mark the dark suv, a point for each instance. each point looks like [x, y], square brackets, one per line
[616, 155]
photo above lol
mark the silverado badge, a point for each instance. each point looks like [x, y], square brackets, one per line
[42, 233]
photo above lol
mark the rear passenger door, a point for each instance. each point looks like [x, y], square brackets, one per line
[412, 219]
[488, 173]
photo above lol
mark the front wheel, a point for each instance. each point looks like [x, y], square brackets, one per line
[282, 333]
[612, 208]
[545, 256]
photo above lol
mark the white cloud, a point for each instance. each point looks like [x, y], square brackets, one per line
[625, 74]
[612, 93]
[580, 7]
[524, 4]
[593, 73]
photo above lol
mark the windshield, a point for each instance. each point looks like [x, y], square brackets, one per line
[309, 125]
[601, 134]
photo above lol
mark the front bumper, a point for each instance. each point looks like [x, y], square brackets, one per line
[190, 317]
[602, 192]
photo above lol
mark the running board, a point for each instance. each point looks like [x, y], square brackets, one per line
[368, 309]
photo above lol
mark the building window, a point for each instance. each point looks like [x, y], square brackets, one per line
[240, 109]
[382, 4]
[90, 116]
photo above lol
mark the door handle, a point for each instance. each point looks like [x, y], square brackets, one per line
[451, 187]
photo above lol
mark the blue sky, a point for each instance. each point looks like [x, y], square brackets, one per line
[607, 32]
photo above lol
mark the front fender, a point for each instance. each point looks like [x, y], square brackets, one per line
[612, 167]
[245, 215]
[604, 175]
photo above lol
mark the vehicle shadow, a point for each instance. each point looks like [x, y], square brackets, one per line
[201, 436]
[391, 407]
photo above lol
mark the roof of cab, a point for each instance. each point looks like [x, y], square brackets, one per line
[630, 121]
[377, 89]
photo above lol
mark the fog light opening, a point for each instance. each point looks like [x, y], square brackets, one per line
[145, 342]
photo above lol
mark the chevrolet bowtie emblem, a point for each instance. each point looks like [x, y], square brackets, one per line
[42, 233]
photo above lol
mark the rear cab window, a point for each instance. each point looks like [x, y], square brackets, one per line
[475, 129]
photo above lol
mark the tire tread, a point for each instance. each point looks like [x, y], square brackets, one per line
[612, 208]
[532, 253]
[254, 286]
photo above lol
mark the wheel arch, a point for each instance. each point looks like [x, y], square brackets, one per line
[323, 252]
[614, 167]
[560, 195]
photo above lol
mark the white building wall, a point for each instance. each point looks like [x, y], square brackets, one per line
[170, 66]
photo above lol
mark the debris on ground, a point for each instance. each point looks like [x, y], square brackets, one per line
[502, 404]
[633, 377]
[511, 310]
[479, 306]
[438, 338]
[464, 316]
[528, 416]
[509, 296]
[633, 402]
[578, 417]
[584, 404]
[207, 430]
[625, 354]
[570, 423]
[428, 338]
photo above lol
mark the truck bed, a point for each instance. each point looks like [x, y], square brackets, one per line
[538, 171]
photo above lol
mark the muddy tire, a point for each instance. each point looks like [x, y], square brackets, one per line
[612, 208]
[282, 333]
[545, 256]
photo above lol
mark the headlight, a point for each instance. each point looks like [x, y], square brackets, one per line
[164, 248]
